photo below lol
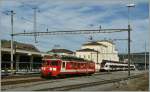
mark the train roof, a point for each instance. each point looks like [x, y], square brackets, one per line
[109, 61]
[66, 58]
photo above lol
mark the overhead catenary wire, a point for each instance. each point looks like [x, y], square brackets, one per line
[63, 32]
[71, 32]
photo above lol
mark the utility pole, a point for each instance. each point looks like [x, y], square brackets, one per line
[129, 50]
[0, 47]
[145, 56]
[12, 32]
[129, 37]
[0, 52]
[97, 60]
[100, 27]
[97, 56]
[91, 56]
[34, 25]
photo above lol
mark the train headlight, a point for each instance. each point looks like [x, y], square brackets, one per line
[43, 68]
[54, 69]
[50, 69]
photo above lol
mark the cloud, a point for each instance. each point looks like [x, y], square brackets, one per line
[71, 15]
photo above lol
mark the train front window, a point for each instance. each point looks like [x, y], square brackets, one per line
[46, 63]
[54, 63]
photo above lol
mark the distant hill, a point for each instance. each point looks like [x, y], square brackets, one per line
[18, 45]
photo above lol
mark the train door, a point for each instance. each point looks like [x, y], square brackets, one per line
[63, 66]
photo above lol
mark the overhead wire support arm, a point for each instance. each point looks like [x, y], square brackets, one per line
[70, 32]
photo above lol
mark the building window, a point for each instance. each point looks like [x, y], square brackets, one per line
[89, 56]
[79, 56]
[84, 56]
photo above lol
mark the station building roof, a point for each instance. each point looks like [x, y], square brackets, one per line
[61, 51]
[19, 46]
[86, 50]
[94, 43]
[109, 41]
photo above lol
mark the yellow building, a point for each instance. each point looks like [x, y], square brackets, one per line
[98, 51]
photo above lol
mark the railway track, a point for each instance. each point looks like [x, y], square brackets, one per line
[25, 80]
[19, 76]
[83, 85]
[31, 83]
[33, 78]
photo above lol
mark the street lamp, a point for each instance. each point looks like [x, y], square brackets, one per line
[129, 29]
[129, 6]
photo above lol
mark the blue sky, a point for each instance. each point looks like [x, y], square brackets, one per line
[76, 14]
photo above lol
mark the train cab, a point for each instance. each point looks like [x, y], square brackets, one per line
[60, 66]
[50, 67]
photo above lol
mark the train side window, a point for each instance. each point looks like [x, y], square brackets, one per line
[63, 65]
[54, 63]
[79, 65]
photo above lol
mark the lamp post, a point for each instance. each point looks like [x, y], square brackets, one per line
[145, 56]
[12, 43]
[129, 36]
[0, 52]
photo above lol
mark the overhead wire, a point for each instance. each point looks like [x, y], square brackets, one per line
[23, 18]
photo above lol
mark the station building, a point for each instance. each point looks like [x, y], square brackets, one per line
[97, 51]
[26, 57]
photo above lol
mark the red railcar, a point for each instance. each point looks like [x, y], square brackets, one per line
[66, 66]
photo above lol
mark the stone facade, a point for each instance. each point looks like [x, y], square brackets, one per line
[98, 51]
